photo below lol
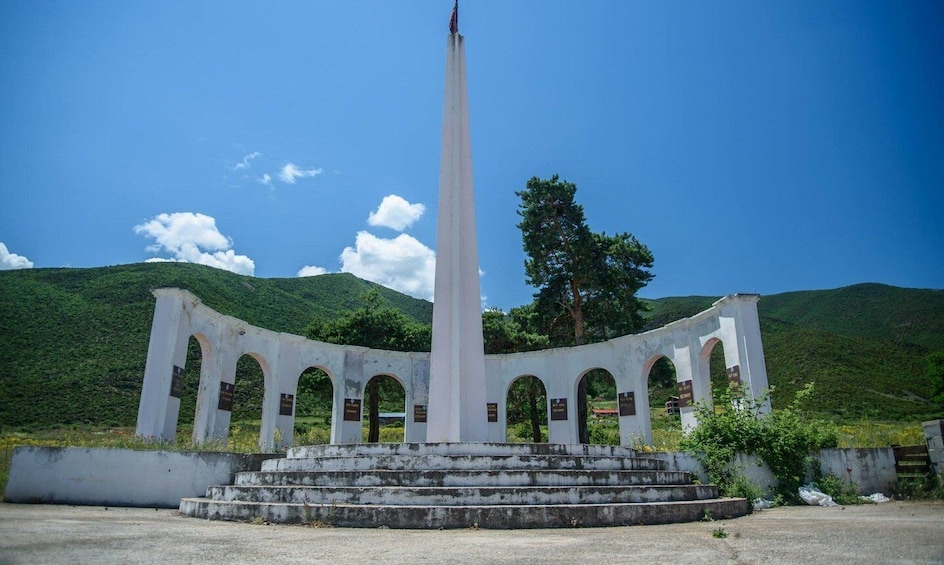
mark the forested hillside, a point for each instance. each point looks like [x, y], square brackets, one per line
[73, 342]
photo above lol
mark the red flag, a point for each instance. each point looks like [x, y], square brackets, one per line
[454, 19]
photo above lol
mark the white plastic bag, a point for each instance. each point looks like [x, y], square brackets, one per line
[762, 504]
[815, 497]
[877, 497]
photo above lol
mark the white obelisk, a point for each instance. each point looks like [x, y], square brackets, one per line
[457, 409]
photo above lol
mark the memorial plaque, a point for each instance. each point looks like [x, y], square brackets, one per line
[226, 396]
[352, 409]
[627, 403]
[285, 407]
[686, 397]
[419, 413]
[177, 382]
[492, 408]
[558, 409]
[734, 375]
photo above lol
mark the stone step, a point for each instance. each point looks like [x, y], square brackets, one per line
[462, 496]
[452, 478]
[470, 448]
[483, 516]
[461, 462]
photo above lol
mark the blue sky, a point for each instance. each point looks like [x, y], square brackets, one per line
[753, 146]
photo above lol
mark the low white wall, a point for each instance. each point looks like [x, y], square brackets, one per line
[159, 479]
[871, 469]
[119, 477]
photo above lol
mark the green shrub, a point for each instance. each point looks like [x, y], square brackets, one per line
[739, 486]
[604, 433]
[842, 491]
[784, 439]
[930, 487]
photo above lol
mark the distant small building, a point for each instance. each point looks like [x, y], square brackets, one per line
[672, 406]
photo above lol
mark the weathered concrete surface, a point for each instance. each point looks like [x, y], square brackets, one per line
[871, 469]
[884, 533]
[119, 477]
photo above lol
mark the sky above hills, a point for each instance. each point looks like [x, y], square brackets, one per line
[753, 146]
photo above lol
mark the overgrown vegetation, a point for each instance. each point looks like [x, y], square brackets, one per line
[783, 439]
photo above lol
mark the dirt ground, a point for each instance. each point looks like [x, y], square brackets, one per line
[893, 532]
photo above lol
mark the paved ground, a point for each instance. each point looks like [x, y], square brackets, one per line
[893, 532]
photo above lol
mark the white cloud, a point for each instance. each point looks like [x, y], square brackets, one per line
[193, 238]
[265, 179]
[311, 271]
[10, 261]
[403, 263]
[290, 172]
[396, 213]
[244, 164]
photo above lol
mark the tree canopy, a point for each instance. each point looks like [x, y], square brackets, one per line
[587, 282]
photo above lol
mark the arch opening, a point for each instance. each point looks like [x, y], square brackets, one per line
[526, 411]
[314, 401]
[245, 432]
[384, 410]
[714, 370]
[600, 423]
[664, 414]
[197, 355]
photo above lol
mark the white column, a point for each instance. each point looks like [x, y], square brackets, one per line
[750, 349]
[457, 405]
[157, 410]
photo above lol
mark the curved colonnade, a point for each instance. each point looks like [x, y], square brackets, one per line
[178, 315]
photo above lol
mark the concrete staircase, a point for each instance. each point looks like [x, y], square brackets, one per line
[460, 485]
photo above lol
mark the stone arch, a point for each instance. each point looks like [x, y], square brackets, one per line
[197, 369]
[251, 387]
[708, 365]
[314, 406]
[379, 386]
[661, 378]
[533, 405]
[602, 424]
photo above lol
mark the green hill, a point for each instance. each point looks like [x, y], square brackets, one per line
[73, 342]
[865, 346]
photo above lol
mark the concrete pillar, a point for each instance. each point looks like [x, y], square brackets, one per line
[418, 396]
[686, 361]
[629, 378]
[347, 391]
[750, 349]
[157, 409]
[204, 422]
[561, 386]
[285, 384]
[457, 405]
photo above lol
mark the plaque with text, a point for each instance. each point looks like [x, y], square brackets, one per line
[352, 409]
[419, 413]
[686, 397]
[558, 409]
[286, 404]
[226, 396]
[734, 375]
[492, 408]
[627, 403]
[177, 382]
